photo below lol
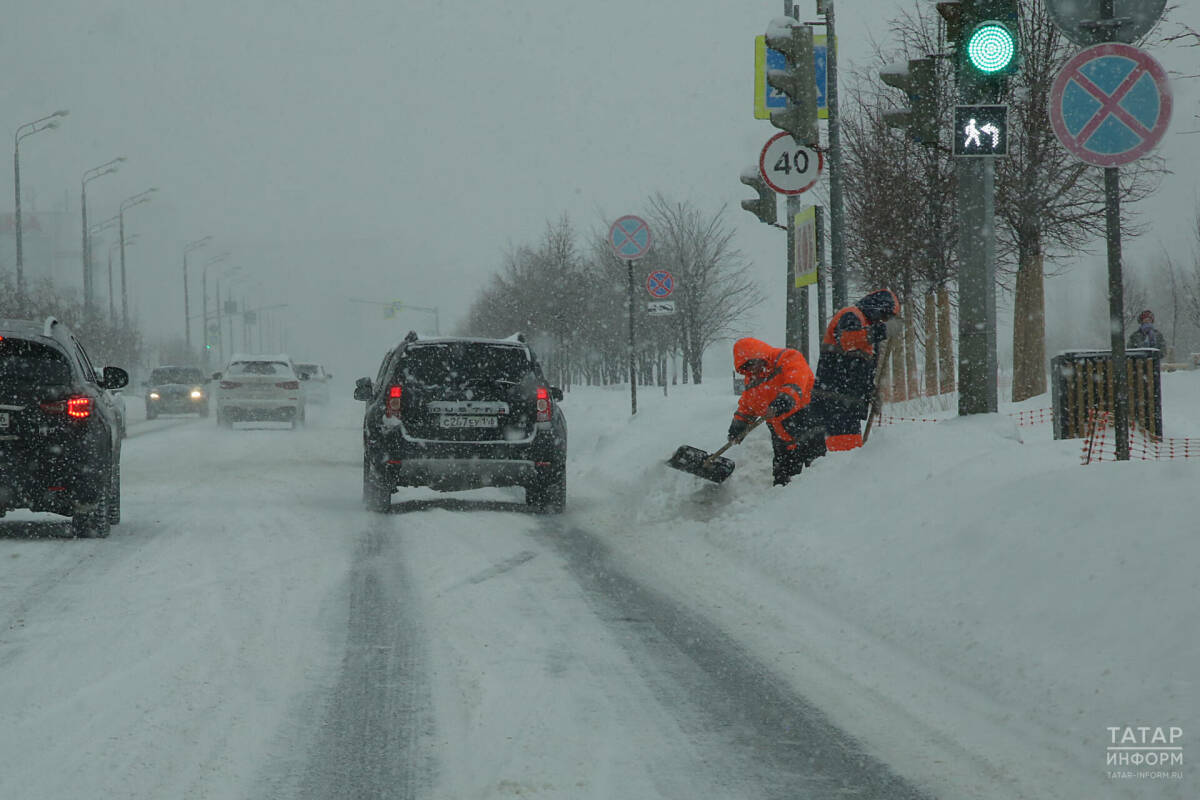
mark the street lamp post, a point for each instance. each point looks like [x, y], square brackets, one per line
[112, 308]
[46, 123]
[129, 202]
[204, 299]
[227, 273]
[187, 328]
[86, 250]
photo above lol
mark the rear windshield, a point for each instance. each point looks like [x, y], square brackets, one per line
[259, 368]
[308, 370]
[463, 362]
[26, 363]
[176, 375]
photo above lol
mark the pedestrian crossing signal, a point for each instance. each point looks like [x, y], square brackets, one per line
[981, 130]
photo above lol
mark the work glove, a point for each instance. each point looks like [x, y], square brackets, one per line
[737, 429]
[782, 404]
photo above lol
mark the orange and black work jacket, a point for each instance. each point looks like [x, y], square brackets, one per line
[846, 369]
[787, 373]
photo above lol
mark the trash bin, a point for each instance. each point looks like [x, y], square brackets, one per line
[1081, 381]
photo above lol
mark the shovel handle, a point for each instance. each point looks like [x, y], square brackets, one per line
[731, 443]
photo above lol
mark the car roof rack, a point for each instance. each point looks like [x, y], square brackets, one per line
[48, 327]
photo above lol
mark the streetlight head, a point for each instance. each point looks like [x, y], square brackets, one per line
[119, 158]
[49, 126]
[60, 113]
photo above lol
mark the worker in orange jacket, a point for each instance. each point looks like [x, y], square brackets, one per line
[845, 380]
[778, 386]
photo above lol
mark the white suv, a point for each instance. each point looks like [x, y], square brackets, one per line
[259, 386]
[314, 382]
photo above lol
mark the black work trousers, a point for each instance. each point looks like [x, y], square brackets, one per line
[807, 444]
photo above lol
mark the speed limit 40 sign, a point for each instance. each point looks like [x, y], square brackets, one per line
[789, 167]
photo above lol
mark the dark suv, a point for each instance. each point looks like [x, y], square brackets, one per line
[60, 445]
[176, 390]
[463, 413]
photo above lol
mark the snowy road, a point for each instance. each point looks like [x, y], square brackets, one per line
[248, 631]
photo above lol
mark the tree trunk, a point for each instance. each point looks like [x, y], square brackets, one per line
[946, 362]
[913, 387]
[931, 364]
[1029, 320]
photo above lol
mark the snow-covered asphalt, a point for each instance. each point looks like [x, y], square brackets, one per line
[248, 631]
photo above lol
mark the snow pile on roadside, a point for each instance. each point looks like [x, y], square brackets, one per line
[965, 597]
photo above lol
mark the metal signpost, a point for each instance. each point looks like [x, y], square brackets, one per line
[630, 239]
[1110, 105]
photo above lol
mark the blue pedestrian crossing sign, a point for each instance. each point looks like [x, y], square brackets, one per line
[1110, 105]
[767, 98]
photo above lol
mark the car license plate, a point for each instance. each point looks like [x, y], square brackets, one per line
[3, 420]
[465, 421]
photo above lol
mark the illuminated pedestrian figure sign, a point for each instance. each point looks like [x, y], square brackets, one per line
[981, 130]
[972, 132]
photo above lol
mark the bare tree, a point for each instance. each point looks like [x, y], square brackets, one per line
[714, 287]
[1049, 201]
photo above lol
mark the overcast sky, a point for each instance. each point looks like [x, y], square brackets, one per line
[393, 150]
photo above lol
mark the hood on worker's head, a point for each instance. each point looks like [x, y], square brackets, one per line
[749, 353]
[880, 306]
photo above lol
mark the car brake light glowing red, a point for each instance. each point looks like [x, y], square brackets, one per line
[79, 407]
[544, 406]
[289, 385]
[229, 384]
[395, 395]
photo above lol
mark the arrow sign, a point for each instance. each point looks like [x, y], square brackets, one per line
[1110, 105]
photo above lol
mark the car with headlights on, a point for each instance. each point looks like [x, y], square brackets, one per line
[259, 387]
[176, 390]
[453, 413]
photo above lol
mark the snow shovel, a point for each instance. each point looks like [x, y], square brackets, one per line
[876, 407]
[711, 467]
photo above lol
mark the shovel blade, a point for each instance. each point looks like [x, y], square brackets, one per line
[695, 461]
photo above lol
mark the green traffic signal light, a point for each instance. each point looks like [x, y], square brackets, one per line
[991, 47]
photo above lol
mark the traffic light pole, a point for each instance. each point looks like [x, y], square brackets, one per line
[976, 286]
[837, 212]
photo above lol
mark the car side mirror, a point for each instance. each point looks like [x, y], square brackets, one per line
[114, 378]
[363, 389]
[556, 393]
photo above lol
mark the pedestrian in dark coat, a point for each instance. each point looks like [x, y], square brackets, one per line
[1147, 335]
[845, 380]
[778, 386]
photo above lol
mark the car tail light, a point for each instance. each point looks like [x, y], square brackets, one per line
[395, 394]
[78, 407]
[229, 384]
[293, 385]
[544, 405]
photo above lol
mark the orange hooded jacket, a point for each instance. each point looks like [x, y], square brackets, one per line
[787, 372]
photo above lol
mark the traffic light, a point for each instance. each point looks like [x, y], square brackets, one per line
[765, 207]
[919, 82]
[987, 46]
[798, 82]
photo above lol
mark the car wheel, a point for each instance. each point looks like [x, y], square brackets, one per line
[549, 494]
[92, 524]
[376, 496]
[114, 497]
